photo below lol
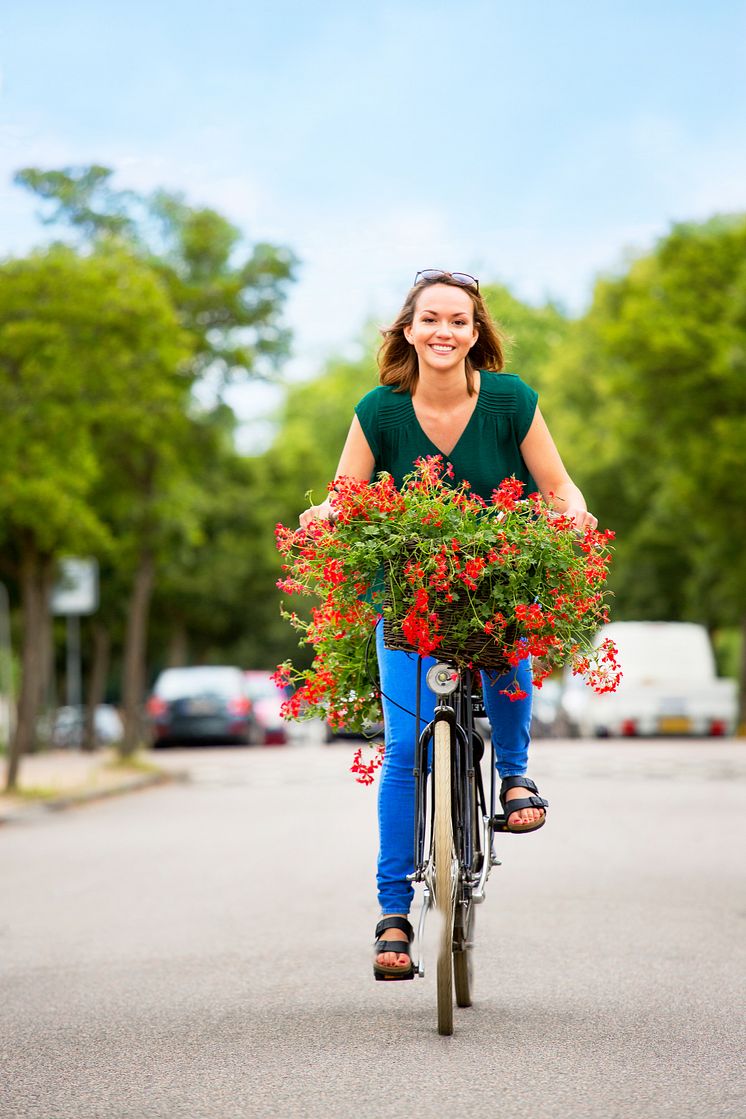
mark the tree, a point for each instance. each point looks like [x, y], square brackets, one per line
[532, 333]
[82, 339]
[231, 309]
[231, 306]
[653, 392]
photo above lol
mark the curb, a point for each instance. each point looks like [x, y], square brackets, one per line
[37, 808]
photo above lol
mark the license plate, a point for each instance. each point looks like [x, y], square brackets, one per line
[674, 724]
[201, 707]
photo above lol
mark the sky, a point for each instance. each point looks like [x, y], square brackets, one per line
[532, 143]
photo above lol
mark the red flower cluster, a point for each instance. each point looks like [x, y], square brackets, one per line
[365, 771]
[446, 568]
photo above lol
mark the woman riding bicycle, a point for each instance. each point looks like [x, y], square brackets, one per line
[443, 392]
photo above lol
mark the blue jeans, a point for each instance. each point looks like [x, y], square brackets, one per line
[510, 722]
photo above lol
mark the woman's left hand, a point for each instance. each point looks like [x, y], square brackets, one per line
[581, 518]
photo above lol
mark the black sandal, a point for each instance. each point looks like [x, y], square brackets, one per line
[500, 823]
[380, 970]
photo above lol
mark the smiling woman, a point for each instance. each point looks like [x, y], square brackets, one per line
[443, 392]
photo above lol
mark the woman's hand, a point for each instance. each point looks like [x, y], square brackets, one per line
[581, 518]
[323, 512]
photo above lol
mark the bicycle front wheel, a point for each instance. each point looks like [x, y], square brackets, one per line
[443, 853]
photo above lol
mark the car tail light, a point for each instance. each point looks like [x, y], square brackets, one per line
[629, 728]
[239, 705]
[156, 707]
[717, 727]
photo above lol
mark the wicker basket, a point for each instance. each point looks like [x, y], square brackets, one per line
[479, 649]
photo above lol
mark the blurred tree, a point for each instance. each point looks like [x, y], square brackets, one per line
[210, 603]
[651, 391]
[313, 426]
[231, 308]
[89, 347]
[532, 333]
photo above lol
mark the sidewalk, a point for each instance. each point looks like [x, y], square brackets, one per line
[55, 779]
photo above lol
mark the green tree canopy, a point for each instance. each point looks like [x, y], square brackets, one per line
[230, 300]
[532, 333]
[650, 388]
[92, 356]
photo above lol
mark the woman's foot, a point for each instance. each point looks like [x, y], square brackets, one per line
[401, 960]
[394, 959]
[526, 815]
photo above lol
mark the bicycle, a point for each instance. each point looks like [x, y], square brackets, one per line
[454, 839]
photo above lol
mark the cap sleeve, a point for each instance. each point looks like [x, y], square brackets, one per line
[368, 411]
[526, 400]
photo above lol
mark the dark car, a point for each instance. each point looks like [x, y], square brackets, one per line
[206, 703]
[267, 699]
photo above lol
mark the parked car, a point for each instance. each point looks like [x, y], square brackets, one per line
[369, 731]
[669, 686]
[544, 707]
[267, 699]
[205, 703]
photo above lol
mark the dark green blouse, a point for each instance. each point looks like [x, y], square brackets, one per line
[488, 450]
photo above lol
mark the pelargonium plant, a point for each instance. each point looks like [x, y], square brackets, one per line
[455, 577]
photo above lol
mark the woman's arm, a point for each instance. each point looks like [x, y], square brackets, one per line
[557, 487]
[356, 461]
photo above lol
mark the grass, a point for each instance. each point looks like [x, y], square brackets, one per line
[135, 763]
[35, 792]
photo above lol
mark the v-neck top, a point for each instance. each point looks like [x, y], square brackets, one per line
[488, 449]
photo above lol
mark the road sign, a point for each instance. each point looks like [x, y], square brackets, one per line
[76, 589]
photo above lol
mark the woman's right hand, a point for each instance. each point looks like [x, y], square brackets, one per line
[323, 512]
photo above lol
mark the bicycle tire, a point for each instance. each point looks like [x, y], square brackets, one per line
[463, 925]
[443, 852]
[463, 966]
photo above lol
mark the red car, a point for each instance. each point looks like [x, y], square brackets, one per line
[266, 699]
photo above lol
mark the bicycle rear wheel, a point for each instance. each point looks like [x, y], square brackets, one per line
[463, 968]
[463, 927]
[444, 893]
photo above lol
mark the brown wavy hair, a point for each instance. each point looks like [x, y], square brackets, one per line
[397, 360]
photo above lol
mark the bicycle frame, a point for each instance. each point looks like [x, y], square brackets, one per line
[473, 852]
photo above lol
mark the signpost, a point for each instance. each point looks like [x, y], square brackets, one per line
[7, 704]
[75, 593]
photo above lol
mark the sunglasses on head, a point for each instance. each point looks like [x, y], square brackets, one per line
[432, 275]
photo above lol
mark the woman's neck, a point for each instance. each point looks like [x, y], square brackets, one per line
[442, 389]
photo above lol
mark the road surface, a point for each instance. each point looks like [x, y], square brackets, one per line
[202, 950]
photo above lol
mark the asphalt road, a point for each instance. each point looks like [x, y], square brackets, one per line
[202, 950]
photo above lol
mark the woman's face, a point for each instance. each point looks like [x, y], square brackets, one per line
[442, 329]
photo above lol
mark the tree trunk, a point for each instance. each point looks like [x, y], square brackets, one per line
[178, 645]
[35, 577]
[741, 729]
[135, 645]
[101, 643]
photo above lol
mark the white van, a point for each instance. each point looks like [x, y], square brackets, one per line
[669, 685]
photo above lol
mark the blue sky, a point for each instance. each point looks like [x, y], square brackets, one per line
[532, 143]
